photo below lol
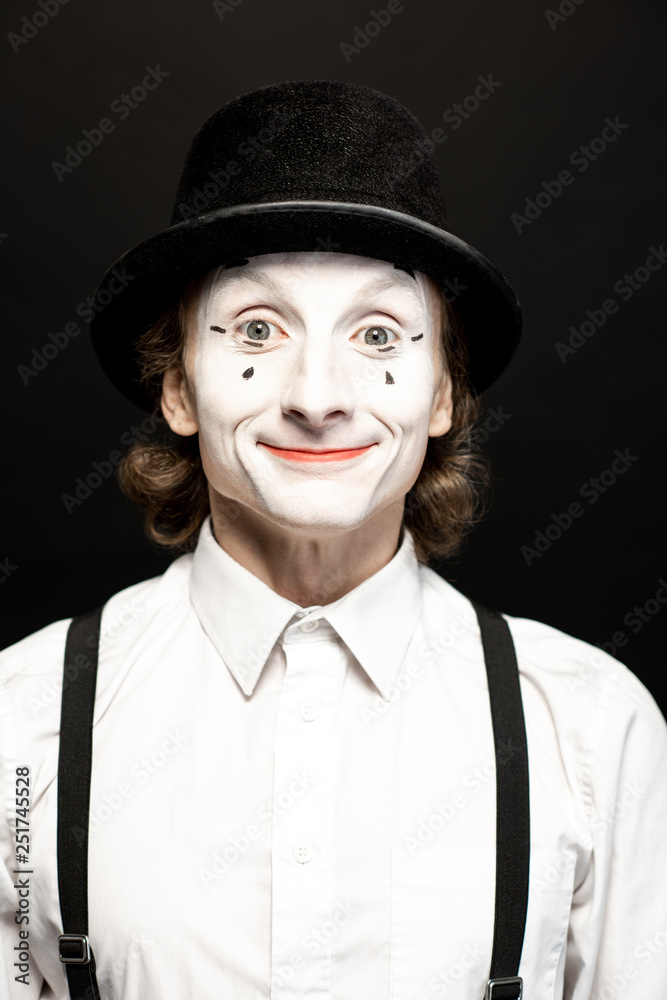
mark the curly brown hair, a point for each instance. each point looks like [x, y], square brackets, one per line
[448, 498]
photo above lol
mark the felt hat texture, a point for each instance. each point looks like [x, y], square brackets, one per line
[306, 165]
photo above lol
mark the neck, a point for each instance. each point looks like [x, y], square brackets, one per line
[306, 567]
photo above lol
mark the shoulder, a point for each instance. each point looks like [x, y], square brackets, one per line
[586, 671]
[579, 684]
[33, 670]
[592, 726]
[42, 651]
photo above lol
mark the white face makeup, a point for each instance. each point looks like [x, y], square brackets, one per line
[312, 381]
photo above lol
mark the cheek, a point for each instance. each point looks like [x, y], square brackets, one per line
[224, 391]
[402, 393]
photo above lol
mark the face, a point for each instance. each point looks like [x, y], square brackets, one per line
[314, 381]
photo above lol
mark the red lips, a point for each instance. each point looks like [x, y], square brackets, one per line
[310, 455]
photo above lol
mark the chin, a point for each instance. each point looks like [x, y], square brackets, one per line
[301, 514]
[318, 523]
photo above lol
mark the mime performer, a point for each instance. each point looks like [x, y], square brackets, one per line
[318, 769]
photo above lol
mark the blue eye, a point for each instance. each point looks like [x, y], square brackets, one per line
[376, 336]
[258, 329]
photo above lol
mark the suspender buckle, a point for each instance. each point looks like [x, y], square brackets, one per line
[495, 991]
[74, 949]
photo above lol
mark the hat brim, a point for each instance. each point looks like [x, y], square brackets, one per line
[153, 274]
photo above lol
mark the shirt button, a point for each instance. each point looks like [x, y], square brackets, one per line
[302, 853]
[309, 626]
[308, 711]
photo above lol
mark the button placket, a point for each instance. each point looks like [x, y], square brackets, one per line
[302, 833]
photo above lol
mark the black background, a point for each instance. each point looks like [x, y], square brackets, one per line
[566, 420]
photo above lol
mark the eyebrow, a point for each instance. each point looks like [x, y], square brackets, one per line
[388, 283]
[384, 283]
[258, 277]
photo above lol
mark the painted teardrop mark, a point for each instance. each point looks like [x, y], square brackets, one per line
[388, 379]
[249, 372]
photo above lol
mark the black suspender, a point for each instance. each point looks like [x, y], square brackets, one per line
[512, 803]
[74, 768]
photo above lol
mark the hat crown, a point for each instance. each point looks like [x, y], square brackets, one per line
[305, 166]
[312, 140]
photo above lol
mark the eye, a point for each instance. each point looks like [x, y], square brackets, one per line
[257, 329]
[376, 336]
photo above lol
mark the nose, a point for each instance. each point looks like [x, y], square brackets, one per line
[320, 389]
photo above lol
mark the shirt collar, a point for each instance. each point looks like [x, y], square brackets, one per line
[244, 618]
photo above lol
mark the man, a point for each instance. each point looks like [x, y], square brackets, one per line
[295, 778]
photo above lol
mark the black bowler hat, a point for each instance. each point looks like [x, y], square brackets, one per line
[310, 165]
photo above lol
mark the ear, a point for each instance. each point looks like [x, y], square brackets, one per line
[441, 411]
[176, 403]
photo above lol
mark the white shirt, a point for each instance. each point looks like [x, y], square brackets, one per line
[300, 803]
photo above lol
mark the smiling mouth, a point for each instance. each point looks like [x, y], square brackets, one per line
[311, 455]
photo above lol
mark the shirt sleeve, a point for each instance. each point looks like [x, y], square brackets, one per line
[617, 940]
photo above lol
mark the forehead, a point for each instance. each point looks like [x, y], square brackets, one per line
[351, 275]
